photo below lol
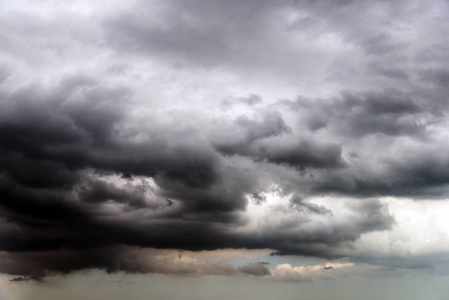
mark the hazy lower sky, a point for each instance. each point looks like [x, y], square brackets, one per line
[224, 149]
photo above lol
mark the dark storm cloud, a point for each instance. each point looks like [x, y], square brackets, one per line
[75, 136]
[46, 148]
[91, 166]
[56, 153]
[51, 198]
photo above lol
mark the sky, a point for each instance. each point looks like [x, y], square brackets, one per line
[224, 149]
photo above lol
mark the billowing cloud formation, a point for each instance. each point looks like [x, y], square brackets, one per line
[204, 125]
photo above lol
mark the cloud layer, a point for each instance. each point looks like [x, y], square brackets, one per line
[205, 125]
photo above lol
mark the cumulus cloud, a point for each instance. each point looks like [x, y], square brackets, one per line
[286, 272]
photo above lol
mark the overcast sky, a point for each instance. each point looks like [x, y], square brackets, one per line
[289, 149]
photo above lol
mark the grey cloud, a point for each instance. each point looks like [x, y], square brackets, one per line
[331, 238]
[381, 44]
[390, 112]
[305, 154]
[256, 269]
[5, 73]
[183, 176]
[390, 72]
[417, 174]
[438, 77]
[250, 100]
[191, 31]
[269, 124]
[255, 144]
[101, 191]
[299, 204]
